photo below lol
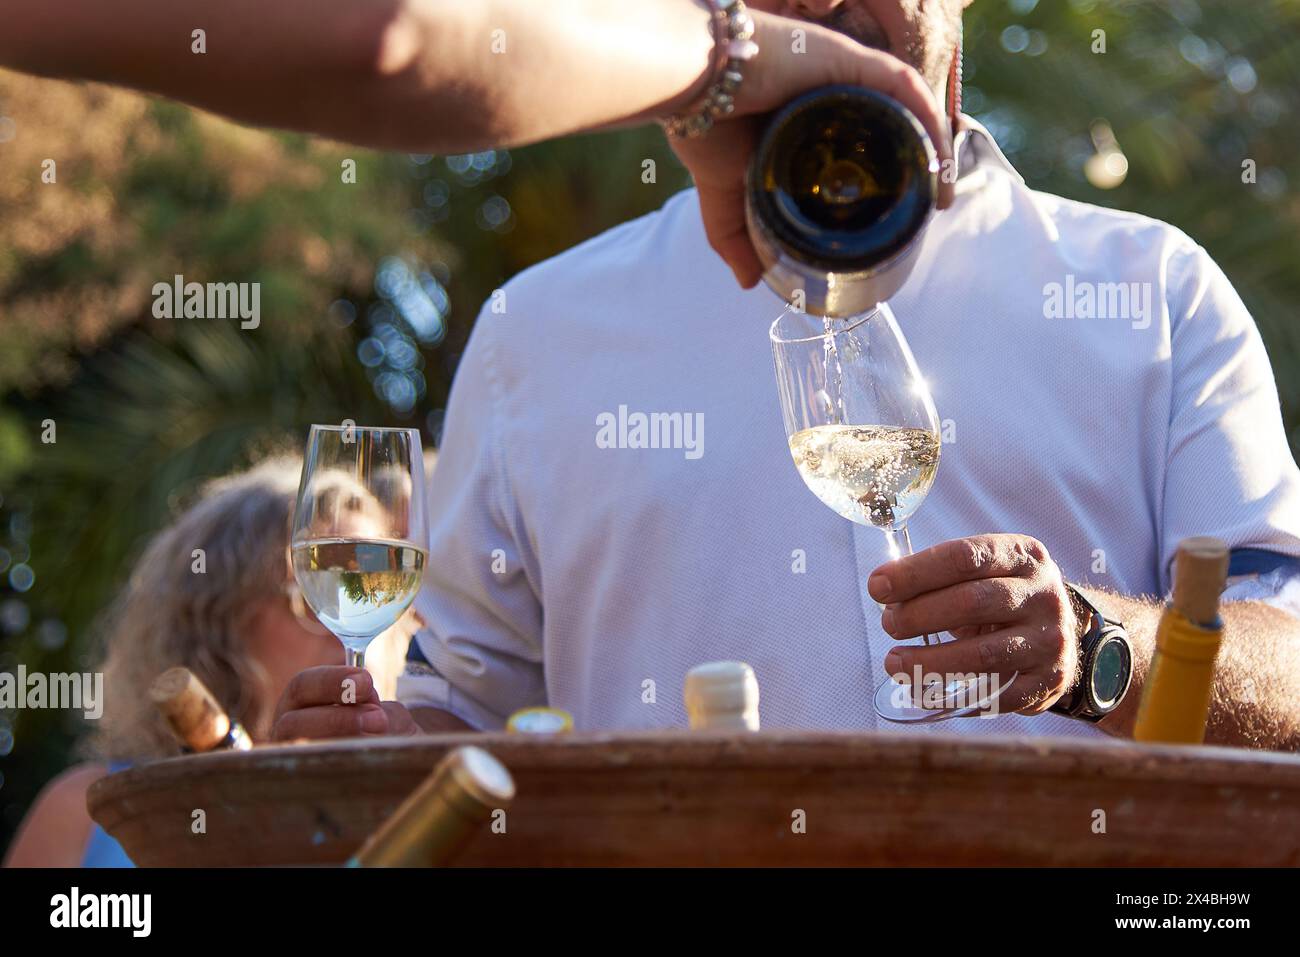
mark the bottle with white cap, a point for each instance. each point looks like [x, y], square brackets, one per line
[722, 696]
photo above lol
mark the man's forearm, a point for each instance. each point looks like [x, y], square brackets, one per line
[1256, 699]
[422, 75]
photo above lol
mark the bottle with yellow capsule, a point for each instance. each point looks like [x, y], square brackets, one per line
[440, 818]
[542, 721]
[1176, 698]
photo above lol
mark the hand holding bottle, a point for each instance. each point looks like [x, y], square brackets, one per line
[777, 74]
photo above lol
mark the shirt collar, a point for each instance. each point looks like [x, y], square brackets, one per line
[977, 151]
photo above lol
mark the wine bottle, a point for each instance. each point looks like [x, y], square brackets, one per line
[839, 191]
[199, 723]
[1176, 697]
[440, 817]
[722, 696]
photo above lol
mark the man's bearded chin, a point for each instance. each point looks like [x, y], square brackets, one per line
[927, 49]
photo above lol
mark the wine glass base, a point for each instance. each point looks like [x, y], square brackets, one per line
[896, 702]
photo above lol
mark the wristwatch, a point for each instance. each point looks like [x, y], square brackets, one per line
[1105, 665]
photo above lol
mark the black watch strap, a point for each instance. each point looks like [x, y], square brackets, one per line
[1096, 633]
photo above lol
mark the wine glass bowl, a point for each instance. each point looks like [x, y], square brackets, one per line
[862, 426]
[360, 529]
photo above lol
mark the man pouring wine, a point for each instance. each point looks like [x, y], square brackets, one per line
[1076, 454]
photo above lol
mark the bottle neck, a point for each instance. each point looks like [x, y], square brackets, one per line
[1179, 637]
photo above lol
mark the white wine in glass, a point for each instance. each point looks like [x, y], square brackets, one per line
[359, 530]
[881, 471]
[864, 436]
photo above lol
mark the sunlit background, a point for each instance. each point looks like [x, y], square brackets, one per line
[370, 290]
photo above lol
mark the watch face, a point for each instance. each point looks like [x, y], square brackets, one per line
[1110, 671]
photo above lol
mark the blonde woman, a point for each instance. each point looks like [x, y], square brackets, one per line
[240, 624]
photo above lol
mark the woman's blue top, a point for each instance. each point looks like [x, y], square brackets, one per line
[102, 850]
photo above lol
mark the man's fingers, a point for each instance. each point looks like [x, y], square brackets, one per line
[400, 721]
[327, 685]
[948, 563]
[331, 721]
[971, 631]
[723, 212]
[896, 79]
[986, 601]
[995, 659]
[1000, 653]
[779, 75]
[738, 252]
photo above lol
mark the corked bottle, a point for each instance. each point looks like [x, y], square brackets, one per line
[1176, 696]
[722, 696]
[199, 723]
[439, 819]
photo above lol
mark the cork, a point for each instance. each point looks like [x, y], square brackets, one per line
[1200, 571]
[193, 714]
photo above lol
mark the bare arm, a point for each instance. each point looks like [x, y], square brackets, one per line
[450, 76]
[55, 831]
[428, 75]
[1002, 596]
[1256, 680]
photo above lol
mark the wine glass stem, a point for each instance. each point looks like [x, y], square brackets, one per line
[900, 546]
[356, 659]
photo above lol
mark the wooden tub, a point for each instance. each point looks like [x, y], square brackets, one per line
[679, 798]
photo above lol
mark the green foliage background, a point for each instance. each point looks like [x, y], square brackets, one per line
[145, 409]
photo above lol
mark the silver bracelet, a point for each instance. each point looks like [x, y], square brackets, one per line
[733, 30]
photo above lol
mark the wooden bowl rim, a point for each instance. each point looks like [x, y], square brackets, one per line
[1034, 757]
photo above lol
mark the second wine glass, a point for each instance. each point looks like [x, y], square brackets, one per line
[360, 530]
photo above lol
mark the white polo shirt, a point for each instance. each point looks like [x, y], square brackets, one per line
[567, 572]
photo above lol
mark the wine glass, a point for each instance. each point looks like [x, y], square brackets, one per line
[360, 530]
[864, 435]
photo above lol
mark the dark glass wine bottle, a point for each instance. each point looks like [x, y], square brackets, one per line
[839, 191]
[193, 714]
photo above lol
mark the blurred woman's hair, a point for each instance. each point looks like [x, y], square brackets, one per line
[183, 606]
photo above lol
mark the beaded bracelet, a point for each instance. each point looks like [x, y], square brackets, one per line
[733, 29]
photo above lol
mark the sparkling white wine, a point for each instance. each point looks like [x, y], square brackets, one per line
[357, 587]
[870, 474]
